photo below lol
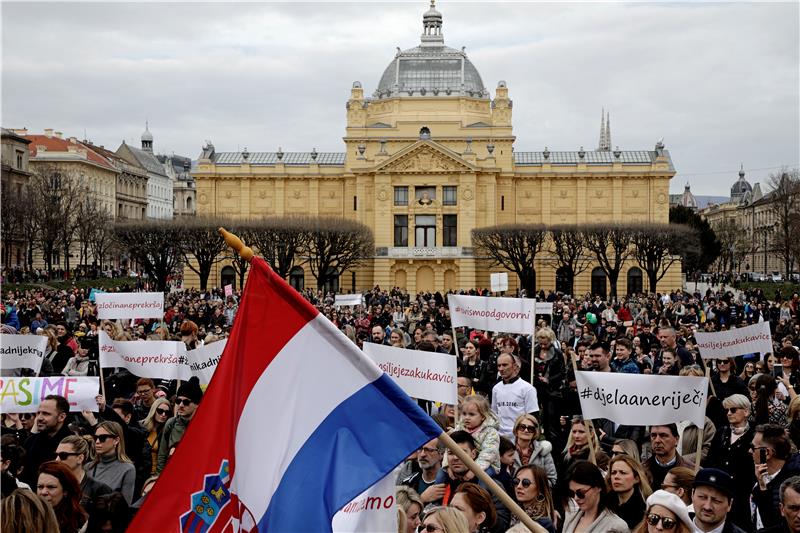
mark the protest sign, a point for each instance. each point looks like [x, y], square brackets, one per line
[129, 305]
[424, 375]
[544, 308]
[146, 359]
[22, 351]
[509, 315]
[94, 292]
[499, 281]
[23, 395]
[642, 399]
[228, 290]
[203, 361]
[373, 510]
[739, 341]
[345, 300]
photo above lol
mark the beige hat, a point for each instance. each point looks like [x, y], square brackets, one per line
[671, 502]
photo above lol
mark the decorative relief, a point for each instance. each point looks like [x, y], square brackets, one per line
[262, 194]
[423, 161]
[635, 193]
[563, 193]
[296, 194]
[662, 198]
[382, 194]
[467, 194]
[228, 194]
[598, 193]
[203, 198]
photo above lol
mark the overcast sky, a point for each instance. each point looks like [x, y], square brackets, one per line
[720, 82]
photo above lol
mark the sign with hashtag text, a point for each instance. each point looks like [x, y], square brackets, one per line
[146, 359]
[641, 399]
[507, 315]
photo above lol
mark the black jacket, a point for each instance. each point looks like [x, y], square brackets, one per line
[40, 448]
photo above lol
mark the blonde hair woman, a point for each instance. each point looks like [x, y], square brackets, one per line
[410, 503]
[153, 424]
[529, 450]
[23, 510]
[582, 445]
[628, 489]
[112, 466]
[445, 520]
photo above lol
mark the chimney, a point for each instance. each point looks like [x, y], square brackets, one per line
[73, 140]
[21, 131]
[59, 134]
[48, 132]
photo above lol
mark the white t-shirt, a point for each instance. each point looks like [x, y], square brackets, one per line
[511, 400]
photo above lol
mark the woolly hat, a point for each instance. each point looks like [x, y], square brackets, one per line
[191, 389]
[673, 503]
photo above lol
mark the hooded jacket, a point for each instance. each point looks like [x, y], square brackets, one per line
[487, 440]
[541, 457]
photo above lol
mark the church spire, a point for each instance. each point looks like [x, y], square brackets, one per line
[605, 132]
[608, 131]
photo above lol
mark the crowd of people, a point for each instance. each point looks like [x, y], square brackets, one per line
[518, 416]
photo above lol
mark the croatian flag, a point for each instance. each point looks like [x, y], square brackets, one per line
[296, 422]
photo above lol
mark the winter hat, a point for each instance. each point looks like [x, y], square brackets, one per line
[191, 389]
[673, 503]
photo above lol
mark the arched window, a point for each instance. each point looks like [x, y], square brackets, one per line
[297, 278]
[564, 280]
[599, 282]
[228, 276]
[332, 282]
[635, 280]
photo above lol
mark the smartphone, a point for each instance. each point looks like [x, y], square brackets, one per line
[777, 370]
[762, 456]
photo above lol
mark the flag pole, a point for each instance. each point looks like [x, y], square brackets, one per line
[491, 484]
[244, 251]
[588, 423]
[458, 355]
[700, 431]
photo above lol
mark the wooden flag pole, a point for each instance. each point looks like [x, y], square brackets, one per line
[491, 484]
[700, 431]
[589, 424]
[458, 355]
[244, 251]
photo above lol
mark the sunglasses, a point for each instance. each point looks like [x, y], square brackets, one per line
[183, 401]
[732, 409]
[579, 494]
[26, 416]
[667, 522]
[162, 411]
[430, 528]
[64, 455]
[528, 428]
[525, 482]
[103, 438]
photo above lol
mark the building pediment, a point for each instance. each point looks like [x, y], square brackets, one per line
[425, 156]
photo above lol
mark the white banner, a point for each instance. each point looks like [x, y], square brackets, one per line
[345, 300]
[145, 359]
[424, 375]
[544, 308]
[642, 399]
[373, 510]
[22, 351]
[203, 361]
[129, 305]
[734, 342]
[23, 395]
[508, 315]
[499, 281]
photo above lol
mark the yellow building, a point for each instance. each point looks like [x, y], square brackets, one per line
[427, 158]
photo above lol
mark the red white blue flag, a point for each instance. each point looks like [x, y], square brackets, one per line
[296, 422]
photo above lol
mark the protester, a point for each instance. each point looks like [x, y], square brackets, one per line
[532, 492]
[24, 511]
[790, 508]
[187, 400]
[446, 520]
[664, 443]
[581, 446]
[771, 455]
[429, 459]
[477, 506]
[512, 396]
[153, 425]
[628, 489]
[112, 465]
[75, 452]
[665, 512]
[111, 515]
[530, 450]
[59, 487]
[587, 510]
[478, 419]
[679, 481]
[51, 429]
[410, 503]
[712, 498]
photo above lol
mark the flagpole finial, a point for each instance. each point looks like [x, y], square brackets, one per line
[245, 252]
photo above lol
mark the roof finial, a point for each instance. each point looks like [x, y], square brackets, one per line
[432, 27]
[605, 133]
[608, 131]
[741, 171]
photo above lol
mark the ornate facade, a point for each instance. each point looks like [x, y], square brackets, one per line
[429, 157]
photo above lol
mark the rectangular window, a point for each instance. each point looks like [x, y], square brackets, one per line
[401, 230]
[449, 195]
[502, 203]
[401, 196]
[450, 230]
[425, 231]
[355, 203]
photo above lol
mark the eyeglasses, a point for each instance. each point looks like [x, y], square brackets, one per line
[64, 455]
[668, 523]
[162, 411]
[528, 428]
[429, 450]
[579, 494]
[756, 448]
[103, 438]
[183, 401]
[732, 409]
[525, 482]
[723, 362]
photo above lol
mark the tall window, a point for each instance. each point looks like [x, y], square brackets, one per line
[449, 233]
[449, 195]
[425, 231]
[401, 196]
[19, 159]
[401, 230]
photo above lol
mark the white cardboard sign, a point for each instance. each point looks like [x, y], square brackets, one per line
[734, 342]
[373, 510]
[147, 359]
[23, 395]
[499, 281]
[203, 361]
[544, 308]
[509, 315]
[424, 375]
[22, 351]
[114, 305]
[642, 399]
[346, 300]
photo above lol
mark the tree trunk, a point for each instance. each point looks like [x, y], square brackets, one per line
[651, 275]
[205, 272]
[612, 281]
[528, 280]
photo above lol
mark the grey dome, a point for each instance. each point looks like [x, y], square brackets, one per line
[431, 71]
[147, 136]
[740, 188]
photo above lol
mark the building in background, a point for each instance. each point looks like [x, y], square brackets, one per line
[159, 184]
[13, 179]
[429, 157]
[179, 170]
[131, 189]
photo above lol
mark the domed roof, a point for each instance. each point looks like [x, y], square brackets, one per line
[431, 69]
[147, 136]
[741, 187]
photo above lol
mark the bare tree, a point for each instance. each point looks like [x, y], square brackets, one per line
[611, 246]
[569, 248]
[155, 245]
[335, 245]
[52, 193]
[11, 221]
[202, 243]
[514, 247]
[785, 205]
[656, 247]
[280, 240]
[243, 229]
[101, 240]
[734, 244]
